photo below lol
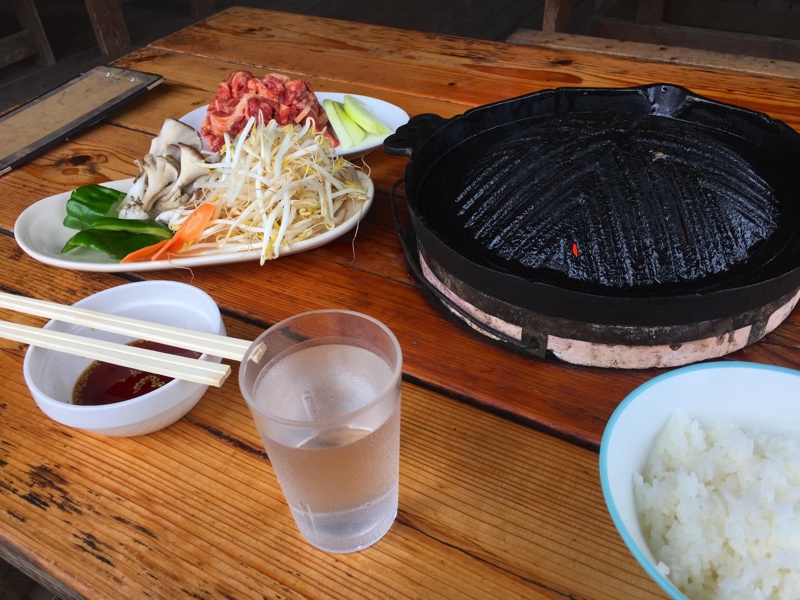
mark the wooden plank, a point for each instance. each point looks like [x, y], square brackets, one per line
[16, 47]
[697, 37]
[14, 587]
[467, 72]
[692, 57]
[30, 41]
[488, 508]
[763, 19]
[481, 20]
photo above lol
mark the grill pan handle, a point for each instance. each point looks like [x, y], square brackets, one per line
[409, 137]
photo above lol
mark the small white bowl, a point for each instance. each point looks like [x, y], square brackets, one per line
[752, 396]
[51, 375]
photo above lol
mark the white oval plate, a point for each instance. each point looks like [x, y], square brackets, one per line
[40, 232]
[393, 116]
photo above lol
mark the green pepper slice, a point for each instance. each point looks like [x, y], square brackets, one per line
[133, 226]
[117, 244]
[89, 203]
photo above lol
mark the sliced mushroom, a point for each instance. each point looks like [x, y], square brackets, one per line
[174, 132]
[162, 171]
[166, 203]
[168, 174]
[193, 168]
[131, 206]
[173, 151]
[167, 217]
[192, 171]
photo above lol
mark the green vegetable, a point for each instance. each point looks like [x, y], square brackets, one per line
[87, 208]
[117, 244]
[345, 139]
[88, 203]
[362, 115]
[132, 226]
[354, 131]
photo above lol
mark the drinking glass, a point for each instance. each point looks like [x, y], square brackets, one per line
[325, 397]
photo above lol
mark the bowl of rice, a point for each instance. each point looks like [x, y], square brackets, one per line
[700, 469]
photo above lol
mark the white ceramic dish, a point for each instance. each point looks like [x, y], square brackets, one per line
[753, 396]
[40, 232]
[51, 375]
[393, 116]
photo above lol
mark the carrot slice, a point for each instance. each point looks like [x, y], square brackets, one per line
[143, 253]
[188, 233]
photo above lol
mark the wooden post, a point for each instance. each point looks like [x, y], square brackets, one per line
[556, 15]
[109, 25]
[29, 20]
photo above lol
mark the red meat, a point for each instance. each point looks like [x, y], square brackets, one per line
[242, 95]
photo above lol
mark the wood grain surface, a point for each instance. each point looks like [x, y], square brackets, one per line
[489, 508]
[466, 71]
[499, 497]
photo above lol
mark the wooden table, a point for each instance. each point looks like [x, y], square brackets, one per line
[499, 497]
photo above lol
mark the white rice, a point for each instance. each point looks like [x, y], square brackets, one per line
[720, 509]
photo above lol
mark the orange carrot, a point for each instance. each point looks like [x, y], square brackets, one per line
[143, 253]
[188, 233]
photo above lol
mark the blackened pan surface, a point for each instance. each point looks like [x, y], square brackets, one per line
[652, 203]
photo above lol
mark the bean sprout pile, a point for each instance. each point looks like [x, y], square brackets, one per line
[274, 186]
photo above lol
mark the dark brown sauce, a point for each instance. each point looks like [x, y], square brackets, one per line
[104, 383]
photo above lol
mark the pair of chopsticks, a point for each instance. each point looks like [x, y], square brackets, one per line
[168, 365]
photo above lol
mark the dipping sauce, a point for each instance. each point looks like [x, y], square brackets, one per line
[104, 383]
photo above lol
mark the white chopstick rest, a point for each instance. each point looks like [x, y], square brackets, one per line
[151, 361]
[208, 343]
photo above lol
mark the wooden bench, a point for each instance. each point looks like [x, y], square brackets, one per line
[109, 25]
[763, 29]
[31, 40]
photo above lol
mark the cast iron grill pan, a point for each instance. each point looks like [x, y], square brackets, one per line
[651, 205]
